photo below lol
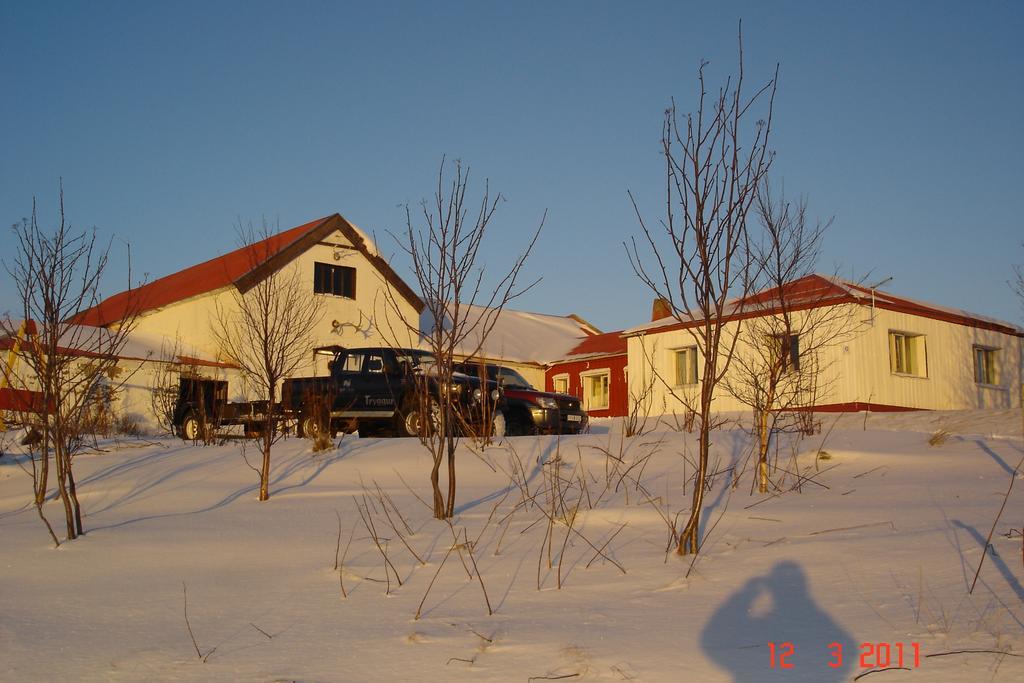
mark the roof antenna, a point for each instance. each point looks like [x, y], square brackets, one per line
[873, 288]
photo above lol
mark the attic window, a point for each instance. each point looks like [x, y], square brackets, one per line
[337, 280]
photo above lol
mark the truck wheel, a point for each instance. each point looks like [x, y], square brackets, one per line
[412, 423]
[519, 423]
[191, 428]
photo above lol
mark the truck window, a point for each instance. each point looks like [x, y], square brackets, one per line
[352, 362]
[375, 364]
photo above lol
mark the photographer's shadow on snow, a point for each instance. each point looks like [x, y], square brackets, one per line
[776, 608]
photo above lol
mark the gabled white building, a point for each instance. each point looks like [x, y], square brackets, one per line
[528, 342]
[895, 353]
[365, 302]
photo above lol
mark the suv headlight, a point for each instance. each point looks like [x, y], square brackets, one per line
[545, 402]
[477, 394]
[495, 394]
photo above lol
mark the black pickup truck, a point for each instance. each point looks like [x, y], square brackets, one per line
[527, 410]
[380, 391]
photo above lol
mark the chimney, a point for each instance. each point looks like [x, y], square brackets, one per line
[661, 309]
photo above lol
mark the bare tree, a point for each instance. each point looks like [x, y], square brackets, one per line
[66, 365]
[444, 246]
[715, 160]
[164, 384]
[786, 326]
[266, 331]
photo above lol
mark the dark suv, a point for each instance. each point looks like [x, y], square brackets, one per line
[527, 410]
[383, 390]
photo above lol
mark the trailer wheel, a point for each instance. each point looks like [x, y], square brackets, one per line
[310, 427]
[191, 428]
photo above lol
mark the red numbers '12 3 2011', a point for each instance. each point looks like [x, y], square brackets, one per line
[872, 655]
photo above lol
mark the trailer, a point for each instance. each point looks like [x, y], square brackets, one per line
[202, 408]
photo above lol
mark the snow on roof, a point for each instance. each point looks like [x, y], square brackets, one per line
[520, 336]
[822, 290]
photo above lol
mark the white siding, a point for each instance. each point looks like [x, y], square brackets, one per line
[857, 368]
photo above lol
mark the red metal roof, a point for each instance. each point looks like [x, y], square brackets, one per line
[609, 343]
[199, 279]
[242, 267]
[813, 291]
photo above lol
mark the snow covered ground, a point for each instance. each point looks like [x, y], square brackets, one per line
[874, 551]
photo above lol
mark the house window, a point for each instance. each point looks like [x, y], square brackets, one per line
[595, 391]
[331, 279]
[560, 384]
[985, 371]
[786, 348]
[907, 355]
[685, 365]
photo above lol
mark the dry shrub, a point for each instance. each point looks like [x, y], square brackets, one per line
[322, 442]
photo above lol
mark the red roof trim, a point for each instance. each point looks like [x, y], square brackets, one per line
[815, 291]
[198, 279]
[889, 302]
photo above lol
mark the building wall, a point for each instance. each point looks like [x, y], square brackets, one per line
[367, 320]
[618, 386]
[949, 381]
[856, 368]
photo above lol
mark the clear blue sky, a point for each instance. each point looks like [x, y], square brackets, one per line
[170, 121]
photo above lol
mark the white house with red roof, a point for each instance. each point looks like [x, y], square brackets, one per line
[895, 353]
[365, 302]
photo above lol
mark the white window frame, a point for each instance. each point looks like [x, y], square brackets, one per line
[908, 354]
[585, 378]
[986, 373]
[562, 376]
[692, 377]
